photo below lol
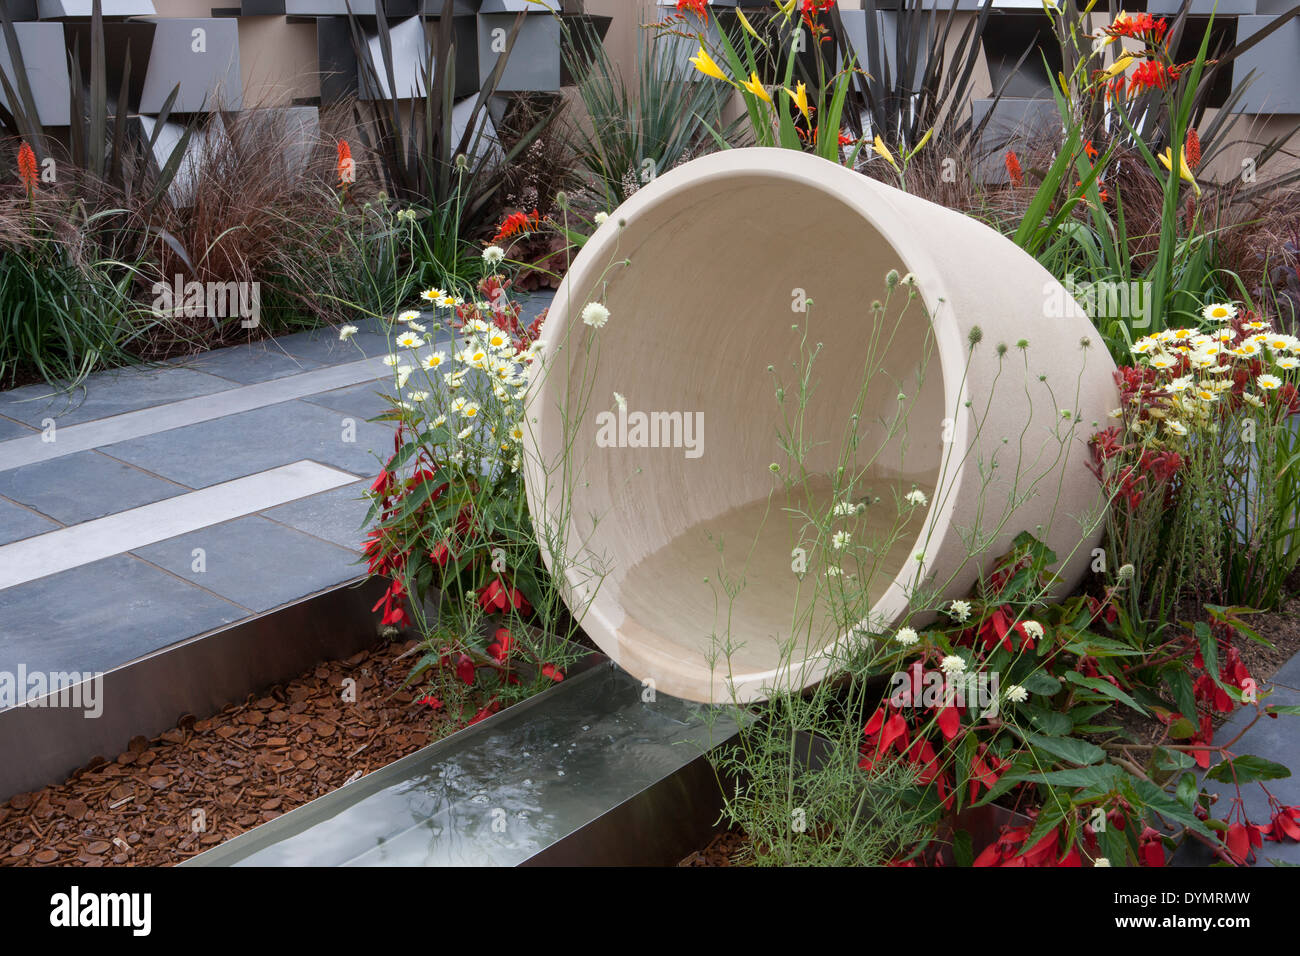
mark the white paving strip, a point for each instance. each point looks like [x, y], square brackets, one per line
[68, 548]
[31, 449]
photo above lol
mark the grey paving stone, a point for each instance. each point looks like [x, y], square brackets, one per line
[324, 347]
[255, 562]
[360, 401]
[237, 445]
[101, 615]
[1273, 739]
[17, 523]
[83, 486]
[109, 393]
[12, 429]
[333, 515]
[250, 363]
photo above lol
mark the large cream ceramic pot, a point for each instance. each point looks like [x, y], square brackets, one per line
[702, 272]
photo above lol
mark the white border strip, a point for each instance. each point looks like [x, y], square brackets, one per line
[67, 548]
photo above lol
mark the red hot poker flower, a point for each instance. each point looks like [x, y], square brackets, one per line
[27, 167]
[345, 166]
[1014, 171]
[1192, 151]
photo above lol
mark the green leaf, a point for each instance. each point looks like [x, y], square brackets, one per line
[1049, 721]
[1070, 749]
[1292, 709]
[1104, 687]
[1103, 776]
[1040, 682]
[963, 853]
[1247, 769]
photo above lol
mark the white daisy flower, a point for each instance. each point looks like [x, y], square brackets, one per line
[433, 295]
[843, 509]
[418, 396]
[410, 315]
[1268, 382]
[1250, 399]
[434, 360]
[346, 332]
[1220, 312]
[403, 373]
[1287, 363]
[409, 340]
[465, 432]
[840, 540]
[392, 360]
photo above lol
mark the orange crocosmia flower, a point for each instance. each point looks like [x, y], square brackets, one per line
[27, 170]
[517, 223]
[1138, 26]
[1151, 75]
[1090, 150]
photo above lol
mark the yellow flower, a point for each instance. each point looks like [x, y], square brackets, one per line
[883, 150]
[1119, 66]
[705, 64]
[755, 86]
[800, 99]
[744, 22]
[787, 8]
[1184, 171]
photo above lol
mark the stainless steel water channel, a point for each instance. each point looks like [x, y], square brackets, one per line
[594, 771]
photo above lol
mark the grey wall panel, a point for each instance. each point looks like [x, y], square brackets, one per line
[410, 53]
[337, 59]
[1220, 8]
[534, 63]
[306, 8]
[209, 78]
[45, 57]
[1275, 87]
[21, 9]
[211, 136]
[1014, 122]
[51, 9]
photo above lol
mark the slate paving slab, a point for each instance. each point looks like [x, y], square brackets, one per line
[331, 515]
[101, 615]
[237, 445]
[108, 393]
[17, 522]
[1276, 739]
[254, 562]
[83, 486]
[12, 429]
[250, 363]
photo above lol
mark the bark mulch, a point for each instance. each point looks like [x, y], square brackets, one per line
[162, 801]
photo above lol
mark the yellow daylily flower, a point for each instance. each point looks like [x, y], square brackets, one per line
[1184, 171]
[744, 22]
[800, 100]
[1119, 66]
[755, 86]
[706, 65]
[787, 8]
[883, 150]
